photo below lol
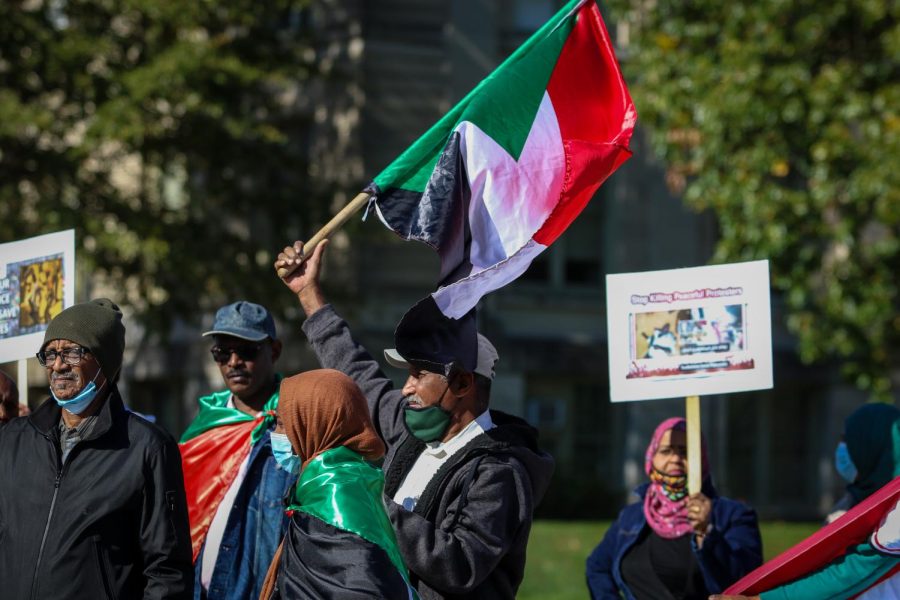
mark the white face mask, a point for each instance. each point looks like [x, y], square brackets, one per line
[844, 464]
[83, 399]
[284, 453]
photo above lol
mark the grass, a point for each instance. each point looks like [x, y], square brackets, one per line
[557, 551]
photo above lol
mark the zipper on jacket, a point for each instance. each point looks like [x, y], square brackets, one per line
[37, 565]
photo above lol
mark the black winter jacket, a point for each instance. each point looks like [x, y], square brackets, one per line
[111, 523]
[467, 535]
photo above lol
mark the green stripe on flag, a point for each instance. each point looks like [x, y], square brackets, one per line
[503, 105]
[215, 412]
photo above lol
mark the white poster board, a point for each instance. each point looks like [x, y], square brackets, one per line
[689, 332]
[37, 281]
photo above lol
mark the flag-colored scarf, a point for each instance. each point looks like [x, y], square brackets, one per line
[339, 487]
[212, 450]
[326, 418]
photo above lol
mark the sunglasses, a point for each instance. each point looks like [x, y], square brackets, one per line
[244, 352]
[70, 356]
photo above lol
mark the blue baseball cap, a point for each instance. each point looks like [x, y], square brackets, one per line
[244, 320]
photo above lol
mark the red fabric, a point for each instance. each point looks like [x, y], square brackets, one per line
[822, 547]
[211, 462]
[595, 114]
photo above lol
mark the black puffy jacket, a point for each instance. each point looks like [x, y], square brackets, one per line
[109, 523]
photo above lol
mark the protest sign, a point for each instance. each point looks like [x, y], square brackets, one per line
[689, 332]
[37, 281]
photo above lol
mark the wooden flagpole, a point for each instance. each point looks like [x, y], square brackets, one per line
[22, 380]
[694, 459]
[336, 222]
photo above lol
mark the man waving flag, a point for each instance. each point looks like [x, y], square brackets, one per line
[501, 176]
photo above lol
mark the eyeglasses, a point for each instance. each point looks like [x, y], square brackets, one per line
[244, 352]
[70, 356]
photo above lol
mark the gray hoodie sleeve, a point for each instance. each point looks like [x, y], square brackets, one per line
[330, 338]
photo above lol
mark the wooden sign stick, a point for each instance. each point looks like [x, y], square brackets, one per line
[22, 380]
[694, 459]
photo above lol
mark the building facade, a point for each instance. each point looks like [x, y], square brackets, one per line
[409, 62]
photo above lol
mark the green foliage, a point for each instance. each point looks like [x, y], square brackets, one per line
[782, 117]
[175, 137]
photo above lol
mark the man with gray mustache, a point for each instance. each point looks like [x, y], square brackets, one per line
[461, 480]
[92, 503]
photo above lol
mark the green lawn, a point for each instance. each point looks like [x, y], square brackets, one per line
[557, 551]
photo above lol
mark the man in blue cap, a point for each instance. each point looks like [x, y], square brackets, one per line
[234, 484]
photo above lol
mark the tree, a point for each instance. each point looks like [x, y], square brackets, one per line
[782, 117]
[182, 140]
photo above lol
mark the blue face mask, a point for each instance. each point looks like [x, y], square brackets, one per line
[80, 402]
[844, 464]
[284, 454]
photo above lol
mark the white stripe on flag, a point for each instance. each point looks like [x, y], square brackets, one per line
[518, 195]
[886, 538]
[456, 299]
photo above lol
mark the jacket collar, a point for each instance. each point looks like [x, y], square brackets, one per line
[46, 417]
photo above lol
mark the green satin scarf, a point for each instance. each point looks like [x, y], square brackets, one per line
[342, 489]
[214, 412]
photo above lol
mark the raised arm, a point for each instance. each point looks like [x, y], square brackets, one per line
[330, 338]
[301, 274]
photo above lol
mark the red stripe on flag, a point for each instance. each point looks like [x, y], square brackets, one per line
[595, 114]
[211, 461]
[822, 547]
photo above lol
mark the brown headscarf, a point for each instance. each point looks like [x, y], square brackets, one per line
[321, 410]
[325, 409]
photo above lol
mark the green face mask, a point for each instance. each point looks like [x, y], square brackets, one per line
[428, 424]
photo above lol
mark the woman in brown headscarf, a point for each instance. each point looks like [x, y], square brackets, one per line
[340, 543]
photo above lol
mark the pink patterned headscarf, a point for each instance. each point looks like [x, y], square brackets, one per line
[667, 517]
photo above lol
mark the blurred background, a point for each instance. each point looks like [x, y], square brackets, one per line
[188, 142]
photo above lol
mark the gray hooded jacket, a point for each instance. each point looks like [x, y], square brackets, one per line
[467, 535]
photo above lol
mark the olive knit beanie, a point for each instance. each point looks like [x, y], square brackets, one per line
[95, 325]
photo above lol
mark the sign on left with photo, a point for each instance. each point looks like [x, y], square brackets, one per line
[37, 282]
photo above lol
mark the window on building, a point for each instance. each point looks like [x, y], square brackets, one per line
[547, 414]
